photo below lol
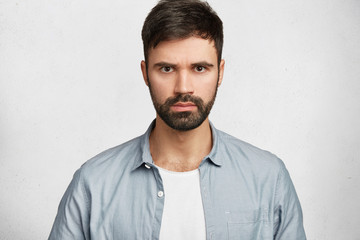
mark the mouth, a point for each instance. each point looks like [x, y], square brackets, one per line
[183, 107]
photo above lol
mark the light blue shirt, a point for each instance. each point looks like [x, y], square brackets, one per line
[247, 194]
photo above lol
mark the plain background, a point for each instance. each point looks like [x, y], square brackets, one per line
[71, 87]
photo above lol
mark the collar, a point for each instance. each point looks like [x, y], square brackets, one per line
[146, 158]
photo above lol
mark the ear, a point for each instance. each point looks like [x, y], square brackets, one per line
[143, 70]
[221, 71]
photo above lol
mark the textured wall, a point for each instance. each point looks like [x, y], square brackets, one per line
[70, 87]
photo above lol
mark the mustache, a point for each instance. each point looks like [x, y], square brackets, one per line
[184, 98]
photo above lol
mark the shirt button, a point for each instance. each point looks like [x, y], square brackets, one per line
[160, 194]
[147, 166]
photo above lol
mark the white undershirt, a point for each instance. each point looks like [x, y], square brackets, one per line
[183, 215]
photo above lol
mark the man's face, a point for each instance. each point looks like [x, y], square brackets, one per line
[183, 77]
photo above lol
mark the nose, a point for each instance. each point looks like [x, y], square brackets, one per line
[184, 84]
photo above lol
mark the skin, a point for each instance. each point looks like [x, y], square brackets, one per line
[184, 66]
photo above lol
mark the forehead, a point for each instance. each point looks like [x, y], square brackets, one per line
[188, 49]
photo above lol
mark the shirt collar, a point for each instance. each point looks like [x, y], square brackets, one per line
[213, 156]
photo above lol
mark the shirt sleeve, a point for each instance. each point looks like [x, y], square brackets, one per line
[71, 221]
[287, 213]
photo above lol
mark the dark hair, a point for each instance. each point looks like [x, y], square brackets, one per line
[180, 19]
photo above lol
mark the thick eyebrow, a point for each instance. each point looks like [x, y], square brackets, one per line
[203, 63]
[166, 64]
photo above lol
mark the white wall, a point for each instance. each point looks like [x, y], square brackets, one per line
[70, 87]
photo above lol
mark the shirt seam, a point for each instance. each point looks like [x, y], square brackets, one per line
[277, 197]
[83, 190]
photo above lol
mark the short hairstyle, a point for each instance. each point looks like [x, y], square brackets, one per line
[180, 19]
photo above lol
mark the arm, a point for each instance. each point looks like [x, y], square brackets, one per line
[72, 220]
[287, 213]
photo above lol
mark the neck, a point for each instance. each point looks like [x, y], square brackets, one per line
[179, 150]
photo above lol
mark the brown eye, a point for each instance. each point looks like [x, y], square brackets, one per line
[199, 69]
[166, 69]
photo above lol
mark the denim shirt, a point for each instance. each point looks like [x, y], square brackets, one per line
[247, 193]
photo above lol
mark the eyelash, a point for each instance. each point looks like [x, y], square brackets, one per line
[162, 69]
[203, 68]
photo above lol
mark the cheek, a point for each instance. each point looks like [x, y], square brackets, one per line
[160, 91]
[209, 94]
[206, 89]
[162, 85]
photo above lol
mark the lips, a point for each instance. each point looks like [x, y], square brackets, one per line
[183, 106]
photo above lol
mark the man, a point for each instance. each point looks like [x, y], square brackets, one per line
[183, 179]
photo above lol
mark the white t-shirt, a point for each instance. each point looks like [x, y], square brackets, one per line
[183, 215]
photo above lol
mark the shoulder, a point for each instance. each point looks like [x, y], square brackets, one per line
[239, 152]
[114, 160]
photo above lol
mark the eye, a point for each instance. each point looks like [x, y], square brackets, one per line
[200, 69]
[166, 69]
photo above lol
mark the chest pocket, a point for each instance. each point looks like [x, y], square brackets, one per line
[248, 225]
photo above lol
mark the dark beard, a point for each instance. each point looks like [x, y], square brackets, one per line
[183, 121]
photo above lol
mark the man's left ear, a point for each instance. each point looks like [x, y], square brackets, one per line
[221, 71]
